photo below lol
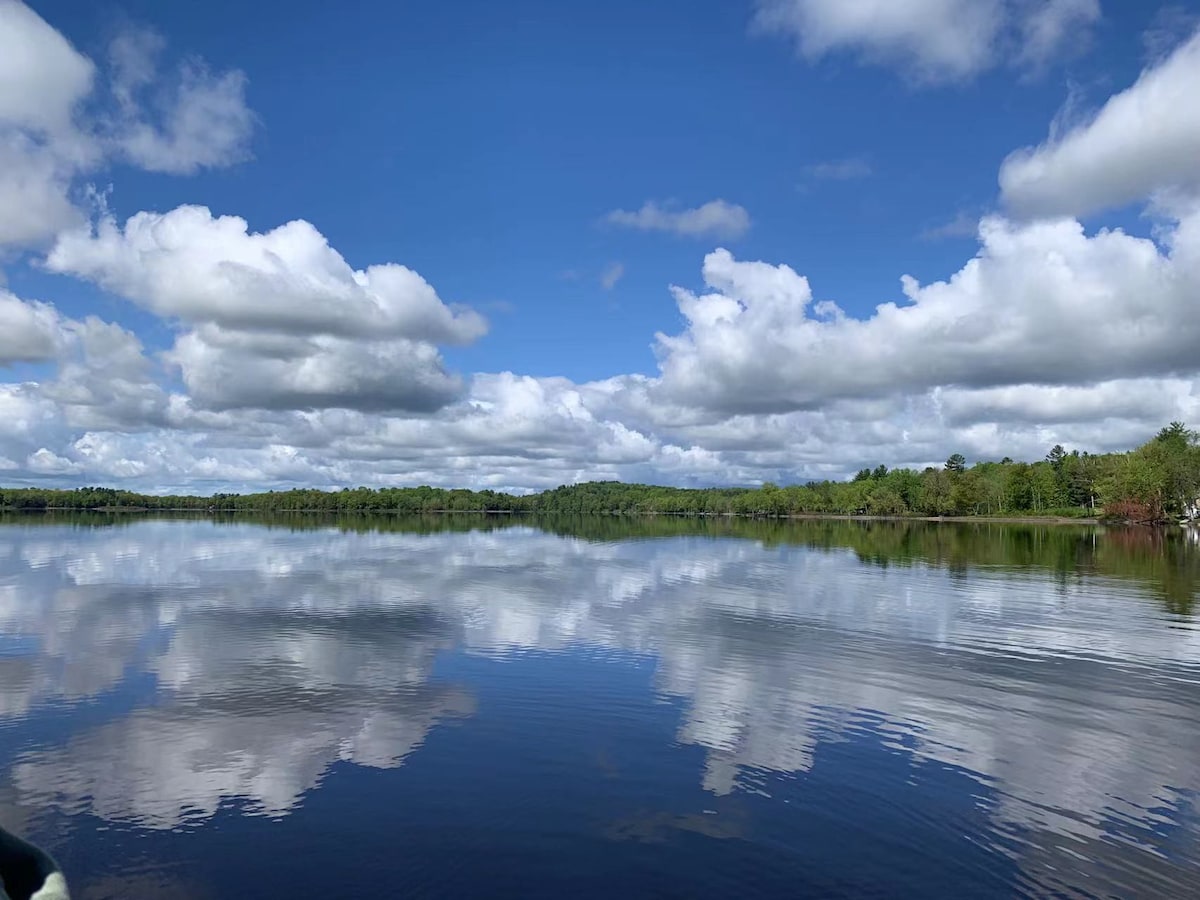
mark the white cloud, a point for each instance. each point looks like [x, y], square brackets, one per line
[611, 275]
[517, 432]
[230, 369]
[1041, 303]
[279, 319]
[1132, 399]
[42, 77]
[509, 425]
[26, 420]
[43, 81]
[47, 462]
[934, 40]
[34, 191]
[1144, 140]
[104, 380]
[204, 121]
[1049, 335]
[190, 265]
[29, 332]
[717, 218]
[60, 120]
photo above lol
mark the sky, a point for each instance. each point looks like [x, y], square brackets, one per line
[517, 245]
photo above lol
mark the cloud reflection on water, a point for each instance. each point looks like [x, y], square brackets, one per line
[279, 653]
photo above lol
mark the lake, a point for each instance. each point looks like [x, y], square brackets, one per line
[466, 707]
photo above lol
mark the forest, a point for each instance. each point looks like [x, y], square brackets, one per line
[1154, 483]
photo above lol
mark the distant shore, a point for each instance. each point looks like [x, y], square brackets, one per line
[998, 520]
[833, 517]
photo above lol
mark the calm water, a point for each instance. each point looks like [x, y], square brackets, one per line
[191, 709]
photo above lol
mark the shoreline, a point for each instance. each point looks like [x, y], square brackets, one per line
[832, 517]
[994, 520]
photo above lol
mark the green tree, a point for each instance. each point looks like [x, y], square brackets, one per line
[937, 492]
[968, 495]
[882, 500]
[1056, 456]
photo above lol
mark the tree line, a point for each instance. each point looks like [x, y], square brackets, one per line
[1157, 482]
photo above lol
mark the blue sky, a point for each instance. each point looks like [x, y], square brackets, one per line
[502, 133]
[487, 146]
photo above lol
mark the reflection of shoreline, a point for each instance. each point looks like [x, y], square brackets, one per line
[280, 652]
[1167, 558]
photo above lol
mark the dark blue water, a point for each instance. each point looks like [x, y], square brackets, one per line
[200, 710]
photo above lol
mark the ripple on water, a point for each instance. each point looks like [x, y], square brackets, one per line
[837, 710]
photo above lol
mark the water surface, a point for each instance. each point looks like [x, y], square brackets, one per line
[597, 708]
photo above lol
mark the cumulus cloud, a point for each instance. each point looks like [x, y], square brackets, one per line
[539, 433]
[280, 319]
[1042, 303]
[104, 379]
[28, 421]
[42, 77]
[43, 81]
[513, 432]
[934, 40]
[1050, 334]
[1158, 399]
[230, 369]
[34, 191]
[1144, 140]
[29, 332]
[191, 265]
[509, 430]
[717, 218]
[47, 462]
[62, 118]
